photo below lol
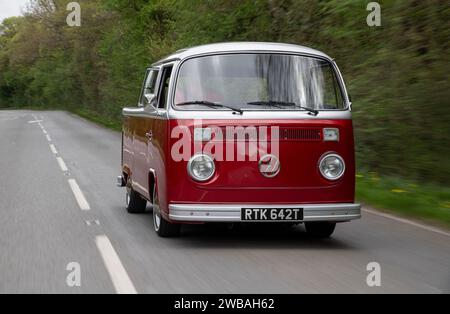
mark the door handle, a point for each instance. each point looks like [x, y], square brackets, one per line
[149, 135]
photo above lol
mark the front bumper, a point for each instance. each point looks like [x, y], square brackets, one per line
[232, 213]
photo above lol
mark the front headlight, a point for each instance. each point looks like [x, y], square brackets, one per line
[201, 167]
[332, 166]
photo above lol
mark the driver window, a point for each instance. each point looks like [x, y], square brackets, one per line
[164, 88]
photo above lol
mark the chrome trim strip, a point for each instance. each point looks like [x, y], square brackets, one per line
[189, 167]
[232, 213]
[258, 115]
[331, 154]
[144, 112]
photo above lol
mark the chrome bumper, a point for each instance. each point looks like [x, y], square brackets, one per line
[232, 213]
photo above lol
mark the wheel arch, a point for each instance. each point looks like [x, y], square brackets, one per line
[126, 172]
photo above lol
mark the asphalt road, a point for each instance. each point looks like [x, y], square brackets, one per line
[43, 228]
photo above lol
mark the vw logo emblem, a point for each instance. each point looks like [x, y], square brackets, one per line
[269, 166]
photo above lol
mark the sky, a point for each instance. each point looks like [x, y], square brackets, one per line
[11, 8]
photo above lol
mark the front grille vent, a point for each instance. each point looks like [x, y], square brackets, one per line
[300, 134]
[284, 134]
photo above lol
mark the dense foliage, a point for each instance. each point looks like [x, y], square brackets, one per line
[397, 74]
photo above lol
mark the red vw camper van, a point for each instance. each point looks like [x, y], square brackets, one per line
[241, 132]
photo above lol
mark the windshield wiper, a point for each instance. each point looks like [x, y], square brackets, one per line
[210, 104]
[281, 104]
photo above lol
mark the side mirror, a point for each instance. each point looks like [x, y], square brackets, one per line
[350, 103]
[149, 99]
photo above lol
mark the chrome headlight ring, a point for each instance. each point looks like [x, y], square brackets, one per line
[331, 166]
[201, 167]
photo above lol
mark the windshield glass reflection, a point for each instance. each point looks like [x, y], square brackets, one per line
[258, 82]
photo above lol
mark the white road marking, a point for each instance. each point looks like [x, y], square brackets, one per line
[35, 121]
[119, 277]
[48, 138]
[62, 164]
[53, 149]
[45, 132]
[407, 221]
[93, 222]
[79, 196]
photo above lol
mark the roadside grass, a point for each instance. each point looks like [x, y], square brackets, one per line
[110, 123]
[424, 201]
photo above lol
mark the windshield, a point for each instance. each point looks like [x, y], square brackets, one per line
[258, 82]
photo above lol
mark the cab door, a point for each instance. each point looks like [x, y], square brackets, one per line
[158, 148]
[142, 121]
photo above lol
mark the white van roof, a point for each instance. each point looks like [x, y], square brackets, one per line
[241, 47]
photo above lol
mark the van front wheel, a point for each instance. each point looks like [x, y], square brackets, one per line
[320, 229]
[162, 227]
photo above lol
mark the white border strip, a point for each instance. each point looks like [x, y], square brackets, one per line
[81, 200]
[119, 277]
[407, 221]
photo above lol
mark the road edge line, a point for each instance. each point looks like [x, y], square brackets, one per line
[407, 221]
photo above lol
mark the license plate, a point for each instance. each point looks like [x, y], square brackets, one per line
[272, 214]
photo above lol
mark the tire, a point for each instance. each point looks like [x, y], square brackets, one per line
[136, 204]
[320, 229]
[162, 227]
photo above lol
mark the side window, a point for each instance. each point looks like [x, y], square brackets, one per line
[164, 88]
[149, 87]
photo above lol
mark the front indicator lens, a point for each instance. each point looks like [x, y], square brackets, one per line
[331, 135]
[201, 167]
[332, 166]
